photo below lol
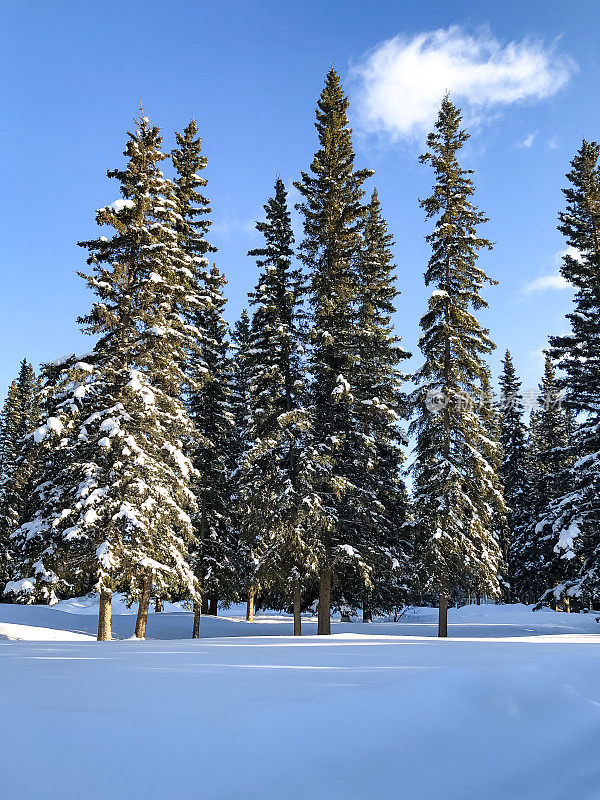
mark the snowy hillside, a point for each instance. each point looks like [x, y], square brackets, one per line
[508, 707]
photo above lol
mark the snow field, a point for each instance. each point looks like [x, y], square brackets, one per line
[511, 710]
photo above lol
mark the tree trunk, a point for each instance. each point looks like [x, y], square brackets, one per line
[104, 616]
[297, 615]
[478, 599]
[443, 616]
[213, 605]
[196, 627]
[204, 606]
[250, 604]
[367, 614]
[324, 616]
[142, 615]
[157, 605]
[568, 605]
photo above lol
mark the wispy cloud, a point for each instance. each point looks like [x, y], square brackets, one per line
[528, 141]
[402, 80]
[552, 143]
[546, 282]
[225, 228]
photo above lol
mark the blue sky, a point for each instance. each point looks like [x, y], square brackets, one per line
[72, 75]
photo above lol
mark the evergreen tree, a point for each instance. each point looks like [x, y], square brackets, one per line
[240, 409]
[379, 505]
[542, 567]
[334, 217]
[19, 416]
[124, 490]
[514, 471]
[214, 560]
[492, 420]
[572, 521]
[457, 489]
[273, 478]
[209, 391]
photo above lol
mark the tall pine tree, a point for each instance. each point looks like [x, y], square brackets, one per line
[457, 489]
[334, 216]
[125, 490]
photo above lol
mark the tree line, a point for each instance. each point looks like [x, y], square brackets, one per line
[180, 460]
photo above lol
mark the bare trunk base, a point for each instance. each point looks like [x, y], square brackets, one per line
[367, 613]
[297, 615]
[250, 604]
[105, 617]
[478, 599]
[443, 617]
[142, 615]
[196, 627]
[324, 616]
[213, 605]
[157, 605]
[204, 606]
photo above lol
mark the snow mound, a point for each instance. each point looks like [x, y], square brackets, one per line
[29, 633]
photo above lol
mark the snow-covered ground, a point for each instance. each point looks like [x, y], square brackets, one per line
[508, 707]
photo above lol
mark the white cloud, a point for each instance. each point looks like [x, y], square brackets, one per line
[554, 280]
[403, 80]
[528, 141]
[552, 143]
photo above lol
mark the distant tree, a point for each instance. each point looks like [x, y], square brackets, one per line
[20, 414]
[514, 471]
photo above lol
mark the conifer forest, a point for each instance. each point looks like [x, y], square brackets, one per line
[181, 460]
[309, 544]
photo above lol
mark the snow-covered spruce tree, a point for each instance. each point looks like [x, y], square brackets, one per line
[36, 546]
[205, 361]
[20, 414]
[239, 381]
[456, 486]
[126, 500]
[492, 421]
[333, 221]
[572, 520]
[215, 556]
[541, 567]
[274, 479]
[378, 507]
[514, 472]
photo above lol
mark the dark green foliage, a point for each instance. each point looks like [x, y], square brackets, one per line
[20, 414]
[275, 474]
[514, 473]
